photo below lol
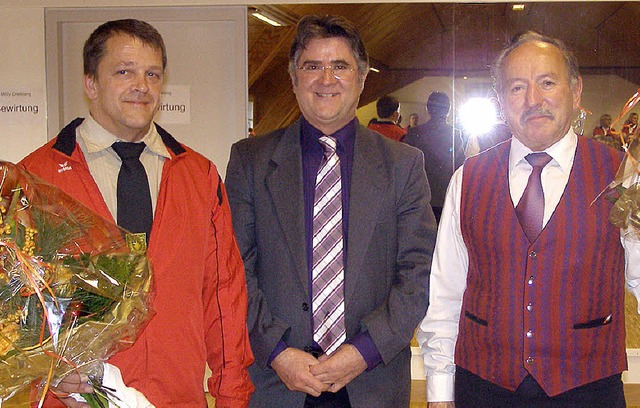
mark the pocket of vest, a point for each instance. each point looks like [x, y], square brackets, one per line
[476, 318]
[602, 321]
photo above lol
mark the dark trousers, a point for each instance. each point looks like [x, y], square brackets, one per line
[471, 391]
[329, 400]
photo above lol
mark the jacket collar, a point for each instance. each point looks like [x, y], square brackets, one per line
[66, 140]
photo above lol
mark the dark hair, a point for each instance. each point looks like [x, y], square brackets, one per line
[95, 46]
[438, 104]
[530, 36]
[386, 106]
[312, 27]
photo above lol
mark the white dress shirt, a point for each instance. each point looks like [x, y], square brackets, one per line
[104, 163]
[438, 332]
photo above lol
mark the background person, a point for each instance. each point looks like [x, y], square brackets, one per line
[604, 133]
[630, 128]
[388, 109]
[414, 119]
[441, 145]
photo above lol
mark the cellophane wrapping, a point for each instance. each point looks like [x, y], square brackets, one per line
[72, 292]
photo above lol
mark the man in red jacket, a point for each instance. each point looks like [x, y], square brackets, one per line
[201, 298]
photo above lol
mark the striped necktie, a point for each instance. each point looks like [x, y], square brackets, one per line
[328, 269]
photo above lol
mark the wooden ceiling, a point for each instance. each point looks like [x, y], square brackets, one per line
[408, 41]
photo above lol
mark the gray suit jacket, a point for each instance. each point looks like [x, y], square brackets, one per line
[390, 243]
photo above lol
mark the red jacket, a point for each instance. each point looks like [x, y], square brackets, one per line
[201, 296]
[389, 130]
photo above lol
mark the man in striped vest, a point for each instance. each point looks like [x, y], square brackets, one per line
[527, 285]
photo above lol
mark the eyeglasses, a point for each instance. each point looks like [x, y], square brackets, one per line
[339, 71]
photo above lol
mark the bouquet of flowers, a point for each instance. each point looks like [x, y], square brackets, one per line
[625, 212]
[72, 292]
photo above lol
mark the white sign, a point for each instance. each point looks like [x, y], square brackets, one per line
[21, 106]
[175, 105]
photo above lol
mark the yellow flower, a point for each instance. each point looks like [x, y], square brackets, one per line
[8, 334]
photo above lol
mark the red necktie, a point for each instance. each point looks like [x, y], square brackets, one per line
[530, 208]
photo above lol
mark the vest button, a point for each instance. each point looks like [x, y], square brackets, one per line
[533, 254]
[530, 281]
[529, 334]
[529, 360]
[305, 306]
[529, 307]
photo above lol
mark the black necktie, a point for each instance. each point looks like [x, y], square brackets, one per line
[135, 213]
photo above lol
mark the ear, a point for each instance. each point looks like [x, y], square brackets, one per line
[577, 93]
[90, 86]
[363, 78]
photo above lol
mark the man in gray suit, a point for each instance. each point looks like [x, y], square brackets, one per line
[386, 227]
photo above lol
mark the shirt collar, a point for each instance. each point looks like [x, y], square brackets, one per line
[96, 138]
[345, 137]
[562, 152]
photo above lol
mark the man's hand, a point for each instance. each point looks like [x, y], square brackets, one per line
[292, 366]
[449, 404]
[73, 383]
[340, 368]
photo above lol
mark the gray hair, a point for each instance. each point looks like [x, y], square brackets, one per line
[571, 61]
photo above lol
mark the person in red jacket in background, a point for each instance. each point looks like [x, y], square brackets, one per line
[201, 295]
[388, 109]
[630, 128]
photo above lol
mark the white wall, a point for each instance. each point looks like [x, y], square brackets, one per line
[22, 67]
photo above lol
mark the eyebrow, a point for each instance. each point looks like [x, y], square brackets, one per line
[537, 78]
[333, 62]
[128, 64]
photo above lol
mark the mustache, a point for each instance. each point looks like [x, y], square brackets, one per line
[536, 112]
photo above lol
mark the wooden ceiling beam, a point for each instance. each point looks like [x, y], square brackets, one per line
[278, 48]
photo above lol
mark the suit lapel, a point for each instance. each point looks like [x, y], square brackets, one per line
[369, 180]
[284, 184]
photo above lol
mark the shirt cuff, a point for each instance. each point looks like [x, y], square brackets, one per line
[365, 346]
[130, 397]
[440, 388]
[280, 347]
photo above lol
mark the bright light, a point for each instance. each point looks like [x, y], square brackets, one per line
[266, 19]
[517, 7]
[376, 70]
[478, 116]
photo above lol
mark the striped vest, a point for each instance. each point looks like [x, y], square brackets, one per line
[555, 308]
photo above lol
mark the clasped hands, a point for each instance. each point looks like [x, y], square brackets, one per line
[300, 371]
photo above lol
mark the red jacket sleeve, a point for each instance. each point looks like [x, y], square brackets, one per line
[228, 349]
